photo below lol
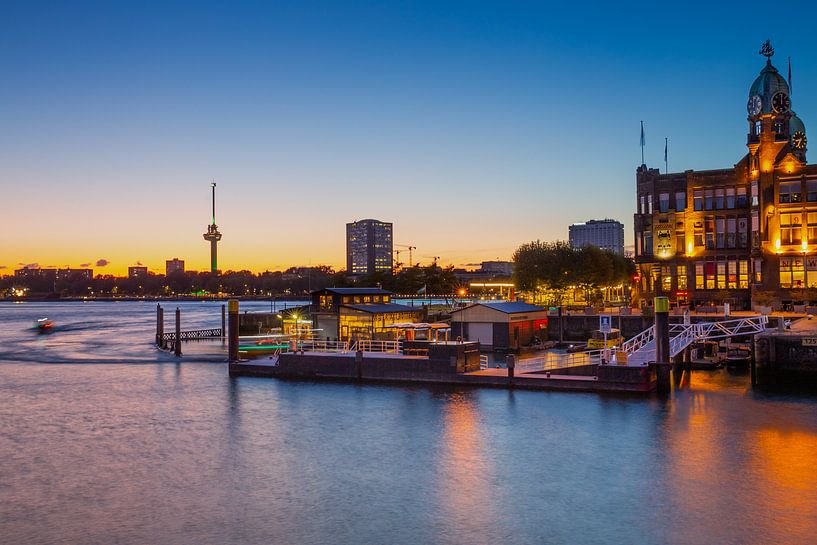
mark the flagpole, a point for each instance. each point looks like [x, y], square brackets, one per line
[666, 163]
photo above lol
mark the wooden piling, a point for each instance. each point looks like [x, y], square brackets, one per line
[177, 344]
[223, 321]
[158, 324]
[232, 324]
[662, 347]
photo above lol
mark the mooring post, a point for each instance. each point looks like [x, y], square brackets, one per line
[223, 321]
[510, 361]
[177, 344]
[158, 326]
[232, 323]
[162, 342]
[663, 366]
[561, 326]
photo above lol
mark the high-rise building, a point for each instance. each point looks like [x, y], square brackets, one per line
[139, 271]
[742, 234]
[606, 234]
[368, 246]
[174, 265]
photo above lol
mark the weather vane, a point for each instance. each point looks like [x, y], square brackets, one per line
[767, 50]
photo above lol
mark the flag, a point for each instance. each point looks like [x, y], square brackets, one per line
[665, 149]
[642, 134]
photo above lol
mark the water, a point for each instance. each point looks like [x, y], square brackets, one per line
[141, 449]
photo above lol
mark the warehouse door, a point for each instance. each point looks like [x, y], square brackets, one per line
[482, 332]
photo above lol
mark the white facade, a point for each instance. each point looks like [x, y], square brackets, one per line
[605, 234]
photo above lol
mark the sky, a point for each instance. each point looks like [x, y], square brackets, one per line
[473, 126]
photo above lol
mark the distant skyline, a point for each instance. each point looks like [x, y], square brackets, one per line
[472, 126]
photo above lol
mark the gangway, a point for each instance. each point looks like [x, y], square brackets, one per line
[640, 349]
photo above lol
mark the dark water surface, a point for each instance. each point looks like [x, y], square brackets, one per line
[140, 449]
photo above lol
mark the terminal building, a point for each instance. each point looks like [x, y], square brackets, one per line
[606, 234]
[369, 246]
[746, 234]
[351, 314]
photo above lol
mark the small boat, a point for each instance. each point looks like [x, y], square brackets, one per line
[738, 357]
[707, 355]
[597, 339]
[43, 325]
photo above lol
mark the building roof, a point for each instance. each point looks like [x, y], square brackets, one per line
[507, 307]
[768, 84]
[381, 308]
[356, 291]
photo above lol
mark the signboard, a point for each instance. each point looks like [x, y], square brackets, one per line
[664, 240]
[605, 323]
[810, 341]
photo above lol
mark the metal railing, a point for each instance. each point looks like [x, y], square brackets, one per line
[390, 347]
[483, 361]
[555, 361]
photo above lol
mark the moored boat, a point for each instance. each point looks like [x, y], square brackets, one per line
[43, 325]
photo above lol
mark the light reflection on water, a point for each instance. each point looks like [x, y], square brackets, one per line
[148, 450]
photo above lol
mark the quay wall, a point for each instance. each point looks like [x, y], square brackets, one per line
[785, 358]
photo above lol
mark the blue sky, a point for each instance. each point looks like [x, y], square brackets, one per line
[474, 126]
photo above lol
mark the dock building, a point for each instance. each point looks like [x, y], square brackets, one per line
[746, 234]
[500, 325]
[350, 314]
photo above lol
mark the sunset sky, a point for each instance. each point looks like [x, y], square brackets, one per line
[473, 126]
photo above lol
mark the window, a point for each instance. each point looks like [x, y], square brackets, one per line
[812, 227]
[647, 242]
[790, 192]
[710, 233]
[709, 274]
[666, 279]
[663, 202]
[731, 232]
[791, 272]
[758, 270]
[680, 201]
[791, 229]
[743, 274]
[730, 197]
[758, 128]
[811, 271]
[699, 275]
[719, 201]
[811, 190]
[682, 277]
[642, 204]
[743, 232]
[732, 275]
[741, 201]
[698, 230]
[720, 233]
[649, 203]
[638, 250]
[698, 199]
[709, 199]
[721, 275]
[754, 194]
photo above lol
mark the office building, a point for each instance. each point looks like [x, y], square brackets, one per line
[606, 234]
[368, 247]
[174, 265]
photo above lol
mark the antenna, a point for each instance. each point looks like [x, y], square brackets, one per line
[213, 185]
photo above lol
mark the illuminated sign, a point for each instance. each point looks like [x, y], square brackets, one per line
[664, 240]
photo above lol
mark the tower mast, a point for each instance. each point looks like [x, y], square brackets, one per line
[213, 235]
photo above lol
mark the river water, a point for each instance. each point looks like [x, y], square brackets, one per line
[105, 440]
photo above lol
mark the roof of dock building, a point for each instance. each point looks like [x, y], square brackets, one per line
[356, 291]
[382, 308]
[508, 307]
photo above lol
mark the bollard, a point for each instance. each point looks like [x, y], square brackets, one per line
[177, 344]
[232, 323]
[510, 361]
[662, 357]
[223, 321]
[162, 341]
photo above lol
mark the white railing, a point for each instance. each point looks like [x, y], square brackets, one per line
[560, 361]
[483, 361]
[391, 347]
[341, 347]
[642, 339]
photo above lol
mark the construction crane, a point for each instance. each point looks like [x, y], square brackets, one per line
[410, 248]
[397, 262]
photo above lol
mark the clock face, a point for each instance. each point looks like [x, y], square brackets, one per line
[799, 139]
[754, 105]
[781, 103]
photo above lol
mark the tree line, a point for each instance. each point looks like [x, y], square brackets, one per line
[556, 267]
[293, 282]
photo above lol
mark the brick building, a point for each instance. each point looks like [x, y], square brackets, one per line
[745, 234]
